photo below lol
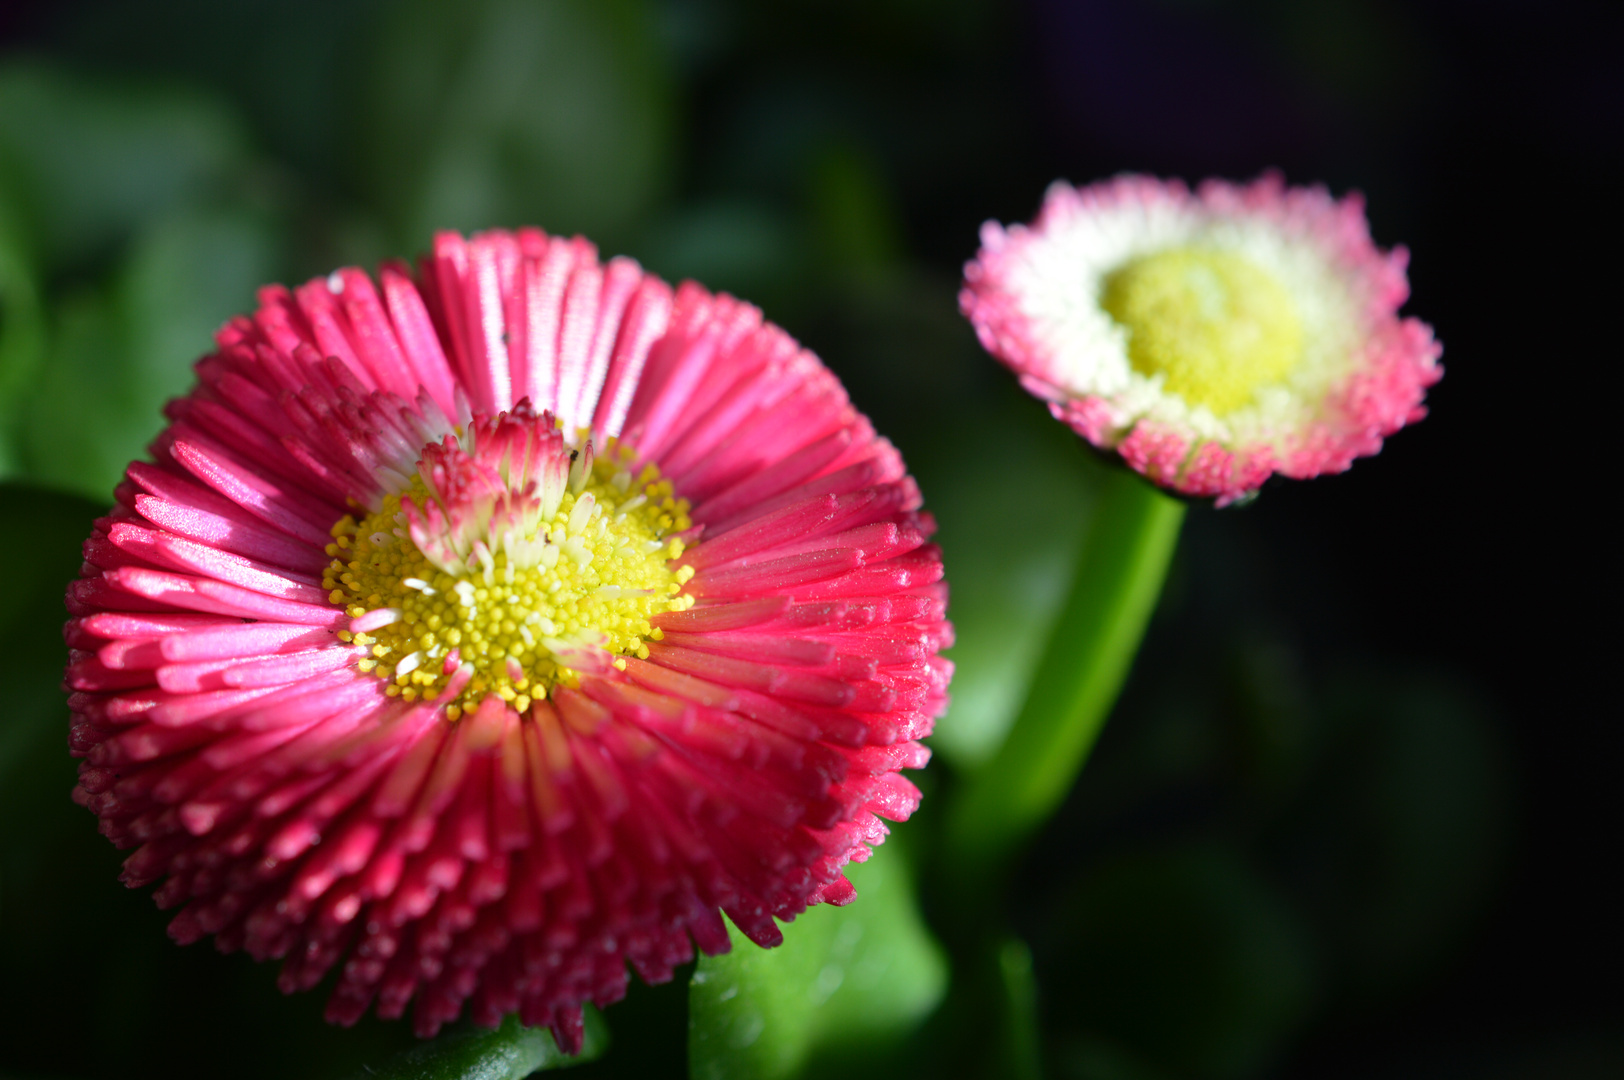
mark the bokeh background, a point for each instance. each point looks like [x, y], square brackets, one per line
[1357, 811]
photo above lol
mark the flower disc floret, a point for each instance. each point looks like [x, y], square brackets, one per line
[1214, 325]
[552, 597]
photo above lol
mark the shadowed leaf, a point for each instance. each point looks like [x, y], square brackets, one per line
[511, 1052]
[847, 982]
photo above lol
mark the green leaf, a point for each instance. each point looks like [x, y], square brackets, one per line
[510, 112]
[511, 1052]
[39, 548]
[91, 160]
[22, 330]
[117, 354]
[847, 982]
[1118, 577]
[1008, 583]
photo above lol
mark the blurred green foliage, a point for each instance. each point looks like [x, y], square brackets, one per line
[1266, 847]
[22, 330]
[119, 351]
[501, 111]
[1261, 846]
[117, 207]
[90, 161]
[1187, 958]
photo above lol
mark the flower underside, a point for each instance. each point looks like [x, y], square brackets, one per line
[513, 564]
[1213, 324]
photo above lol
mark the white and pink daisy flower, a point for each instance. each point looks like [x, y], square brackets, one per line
[1210, 338]
[479, 632]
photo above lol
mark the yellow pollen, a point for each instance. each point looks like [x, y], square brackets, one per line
[1214, 324]
[517, 625]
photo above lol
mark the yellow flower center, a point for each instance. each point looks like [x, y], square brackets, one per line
[575, 590]
[1215, 325]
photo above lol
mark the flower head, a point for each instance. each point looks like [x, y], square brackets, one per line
[1210, 338]
[479, 632]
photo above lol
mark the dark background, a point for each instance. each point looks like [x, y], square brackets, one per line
[1354, 814]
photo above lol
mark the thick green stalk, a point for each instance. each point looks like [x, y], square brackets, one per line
[1120, 569]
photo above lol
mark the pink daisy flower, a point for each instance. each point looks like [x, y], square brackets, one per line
[1210, 338]
[477, 633]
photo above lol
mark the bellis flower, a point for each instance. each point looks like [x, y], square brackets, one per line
[1210, 338]
[477, 632]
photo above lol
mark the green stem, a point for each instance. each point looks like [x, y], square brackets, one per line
[1120, 569]
[1022, 1057]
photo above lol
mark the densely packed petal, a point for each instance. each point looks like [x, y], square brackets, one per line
[476, 632]
[1211, 338]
